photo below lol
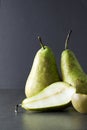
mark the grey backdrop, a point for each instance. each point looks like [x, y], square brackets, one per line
[21, 21]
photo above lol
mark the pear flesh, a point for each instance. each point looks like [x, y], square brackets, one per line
[55, 96]
[44, 72]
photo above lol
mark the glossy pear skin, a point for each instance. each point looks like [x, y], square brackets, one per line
[72, 71]
[44, 72]
[79, 102]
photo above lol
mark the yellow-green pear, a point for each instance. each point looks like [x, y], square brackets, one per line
[72, 71]
[44, 71]
[56, 96]
[79, 102]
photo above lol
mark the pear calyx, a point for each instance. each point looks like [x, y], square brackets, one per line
[67, 39]
[41, 43]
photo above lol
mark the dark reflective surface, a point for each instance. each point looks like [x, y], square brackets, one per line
[9, 120]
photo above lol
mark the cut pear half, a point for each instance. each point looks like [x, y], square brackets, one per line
[55, 96]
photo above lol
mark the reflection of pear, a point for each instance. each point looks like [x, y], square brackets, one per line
[55, 96]
[53, 121]
[72, 71]
[43, 72]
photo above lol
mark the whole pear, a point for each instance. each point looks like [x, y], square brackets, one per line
[72, 71]
[44, 71]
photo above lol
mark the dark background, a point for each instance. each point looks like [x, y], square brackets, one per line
[21, 21]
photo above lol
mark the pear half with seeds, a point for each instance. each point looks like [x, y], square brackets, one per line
[54, 97]
[44, 71]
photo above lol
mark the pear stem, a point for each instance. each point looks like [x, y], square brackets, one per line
[67, 39]
[16, 107]
[41, 43]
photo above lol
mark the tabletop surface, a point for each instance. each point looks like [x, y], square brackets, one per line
[25, 120]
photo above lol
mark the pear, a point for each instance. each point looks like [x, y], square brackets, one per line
[44, 71]
[79, 102]
[71, 70]
[56, 96]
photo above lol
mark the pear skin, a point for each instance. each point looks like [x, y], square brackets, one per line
[44, 71]
[79, 102]
[72, 71]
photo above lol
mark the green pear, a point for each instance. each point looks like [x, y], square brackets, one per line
[79, 102]
[72, 71]
[44, 71]
[56, 96]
